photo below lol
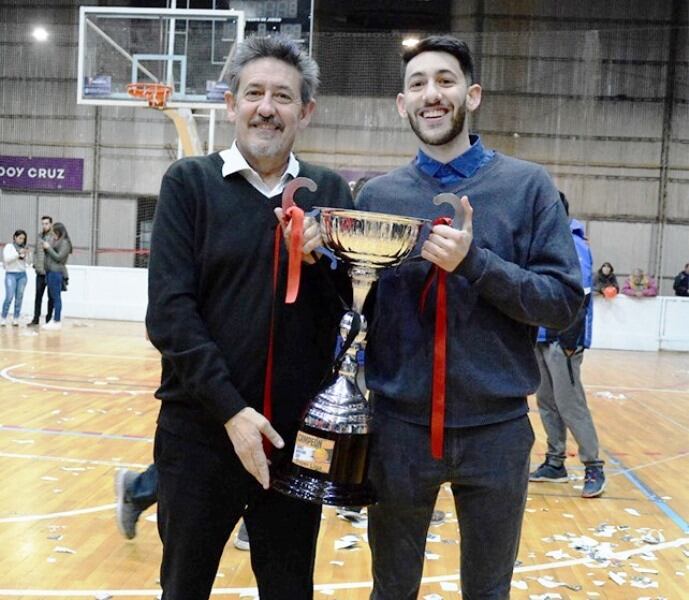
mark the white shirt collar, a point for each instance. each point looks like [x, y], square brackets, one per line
[234, 162]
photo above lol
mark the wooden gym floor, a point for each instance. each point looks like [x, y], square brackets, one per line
[77, 404]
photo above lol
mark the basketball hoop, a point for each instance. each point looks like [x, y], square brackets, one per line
[156, 94]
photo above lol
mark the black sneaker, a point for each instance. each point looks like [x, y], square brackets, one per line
[33, 323]
[550, 472]
[594, 482]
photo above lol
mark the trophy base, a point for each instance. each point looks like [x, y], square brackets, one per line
[303, 486]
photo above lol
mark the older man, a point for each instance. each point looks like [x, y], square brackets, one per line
[211, 305]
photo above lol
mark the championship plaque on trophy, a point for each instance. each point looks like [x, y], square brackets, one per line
[330, 457]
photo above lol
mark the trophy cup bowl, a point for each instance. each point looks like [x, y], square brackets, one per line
[330, 457]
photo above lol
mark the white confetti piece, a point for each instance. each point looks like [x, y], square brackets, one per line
[619, 577]
[49, 478]
[520, 584]
[347, 542]
[645, 570]
[64, 550]
[633, 512]
[337, 563]
[432, 556]
[643, 582]
[449, 586]
[433, 597]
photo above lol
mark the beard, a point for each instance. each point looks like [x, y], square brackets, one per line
[439, 138]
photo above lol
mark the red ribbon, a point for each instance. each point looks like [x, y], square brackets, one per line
[296, 216]
[439, 351]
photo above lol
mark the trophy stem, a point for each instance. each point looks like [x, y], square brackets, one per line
[362, 280]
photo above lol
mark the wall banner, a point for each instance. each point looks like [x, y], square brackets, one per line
[24, 173]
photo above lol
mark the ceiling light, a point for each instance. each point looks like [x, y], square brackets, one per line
[40, 34]
[410, 42]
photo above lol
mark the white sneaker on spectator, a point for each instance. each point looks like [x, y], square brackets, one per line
[52, 325]
[241, 540]
[3, 322]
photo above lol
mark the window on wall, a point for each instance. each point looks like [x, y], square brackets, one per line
[144, 225]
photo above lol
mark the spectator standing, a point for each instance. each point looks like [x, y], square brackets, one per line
[15, 256]
[561, 397]
[46, 235]
[57, 253]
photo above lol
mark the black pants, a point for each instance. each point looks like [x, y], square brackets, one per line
[203, 490]
[40, 289]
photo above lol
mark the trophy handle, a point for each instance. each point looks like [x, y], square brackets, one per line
[454, 201]
[291, 188]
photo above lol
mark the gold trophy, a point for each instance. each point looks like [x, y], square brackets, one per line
[330, 457]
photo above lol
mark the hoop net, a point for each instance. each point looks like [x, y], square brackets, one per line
[156, 94]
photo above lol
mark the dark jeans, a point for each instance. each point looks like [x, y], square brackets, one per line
[488, 468]
[40, 289]
[54, 281]
[144, 489]
[203, 491]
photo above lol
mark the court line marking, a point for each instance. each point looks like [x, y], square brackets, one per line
[622, 555]
[661, 414]
[79, 461]
[661, 461]
[647, 491]
[90, 434]
[83, 354]
[55, 515]
[5, 374]
[636, 389]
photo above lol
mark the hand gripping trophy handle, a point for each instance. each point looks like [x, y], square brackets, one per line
[331, 451]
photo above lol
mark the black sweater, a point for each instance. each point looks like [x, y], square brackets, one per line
[210, 298]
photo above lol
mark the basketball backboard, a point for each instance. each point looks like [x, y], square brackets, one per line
[187, 49]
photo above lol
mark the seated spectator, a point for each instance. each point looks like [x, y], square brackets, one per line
[605, 281]
[638, 285]
[681, 285]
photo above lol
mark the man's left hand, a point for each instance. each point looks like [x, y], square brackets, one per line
[312, 235]
[446, 246]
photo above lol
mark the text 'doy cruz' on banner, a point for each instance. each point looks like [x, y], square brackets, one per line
[35, 173]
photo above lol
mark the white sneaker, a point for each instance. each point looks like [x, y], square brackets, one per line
[3, 322]
[53, 325]
[15, 322]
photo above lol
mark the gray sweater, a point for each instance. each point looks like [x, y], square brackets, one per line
[521, 272]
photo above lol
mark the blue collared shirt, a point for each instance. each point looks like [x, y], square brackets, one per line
[461, 167]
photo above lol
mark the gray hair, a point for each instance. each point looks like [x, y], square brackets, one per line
[282, 48]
